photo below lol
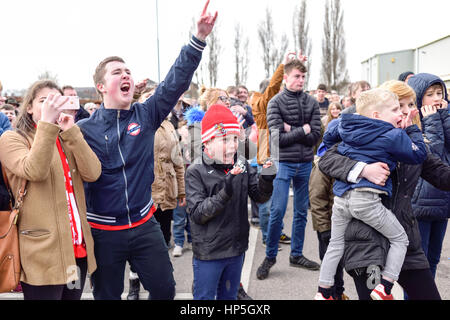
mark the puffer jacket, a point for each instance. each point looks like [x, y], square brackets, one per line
[295, 109]
[219, 223]
[430, 203]
[365, 246]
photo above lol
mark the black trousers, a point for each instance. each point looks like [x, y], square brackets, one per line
[70, 291]
[165, 220]
[144, 248]
[418, 284]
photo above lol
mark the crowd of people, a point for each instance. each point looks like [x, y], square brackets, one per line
[119, 183]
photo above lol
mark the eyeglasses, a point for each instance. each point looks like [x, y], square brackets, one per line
[224, 98]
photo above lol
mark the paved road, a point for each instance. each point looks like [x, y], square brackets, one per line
[284, 282]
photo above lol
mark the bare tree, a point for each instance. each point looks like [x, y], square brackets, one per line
[47, 75]
[302, 41]
[272, 52]
[199, 74]
[334, 70]
[208, 68]
[279, 51]
[241, 58]
[214, 49]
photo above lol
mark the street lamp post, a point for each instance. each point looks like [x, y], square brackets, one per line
[157, 40]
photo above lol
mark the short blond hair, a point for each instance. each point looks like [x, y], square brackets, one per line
[374, 100]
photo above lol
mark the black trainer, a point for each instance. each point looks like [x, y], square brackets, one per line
[303, 262]
[242, 295]
[285, 239]
[263, 270]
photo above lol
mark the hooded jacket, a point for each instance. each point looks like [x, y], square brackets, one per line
[124, 140]
[372, 140]
[364, 246]
[430, 203]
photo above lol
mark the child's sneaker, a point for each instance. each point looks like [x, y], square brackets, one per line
[319, 296]
[380, 294]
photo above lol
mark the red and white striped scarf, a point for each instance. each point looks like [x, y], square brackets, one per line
[74, 216]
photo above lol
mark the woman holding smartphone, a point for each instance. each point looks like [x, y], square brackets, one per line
[49, 151]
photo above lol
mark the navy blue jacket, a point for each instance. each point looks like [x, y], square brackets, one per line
[4, 123]
[123, 140]
[430, 203]
[371, 140]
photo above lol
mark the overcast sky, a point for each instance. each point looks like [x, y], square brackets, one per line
[69, 38]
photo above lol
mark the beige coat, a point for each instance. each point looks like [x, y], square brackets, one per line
[169, 168]
[45, 238]
[259, 104]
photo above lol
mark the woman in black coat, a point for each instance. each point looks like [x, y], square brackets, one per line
[365, 248]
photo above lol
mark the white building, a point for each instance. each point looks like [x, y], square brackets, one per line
[432, 58]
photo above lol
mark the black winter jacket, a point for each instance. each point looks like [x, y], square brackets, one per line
[295, 109]
[364, 246]
[219, 223]
[430, 203]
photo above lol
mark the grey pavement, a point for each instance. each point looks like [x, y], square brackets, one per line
[284, 282]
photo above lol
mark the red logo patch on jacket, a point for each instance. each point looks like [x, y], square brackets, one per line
[134, 129]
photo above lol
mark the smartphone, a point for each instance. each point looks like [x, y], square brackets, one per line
[241, 165]
[73, 103]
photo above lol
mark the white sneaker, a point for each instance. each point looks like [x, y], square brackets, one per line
[177, 251]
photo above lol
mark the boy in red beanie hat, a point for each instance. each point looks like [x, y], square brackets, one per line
[217, 188]
[219, 122]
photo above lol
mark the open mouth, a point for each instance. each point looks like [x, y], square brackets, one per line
[125, 88]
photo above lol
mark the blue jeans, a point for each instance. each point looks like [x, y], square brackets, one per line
[432, 234]
[146, 251]
[180, 224]
[263, 211]
[217, 279]
[299, 174]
